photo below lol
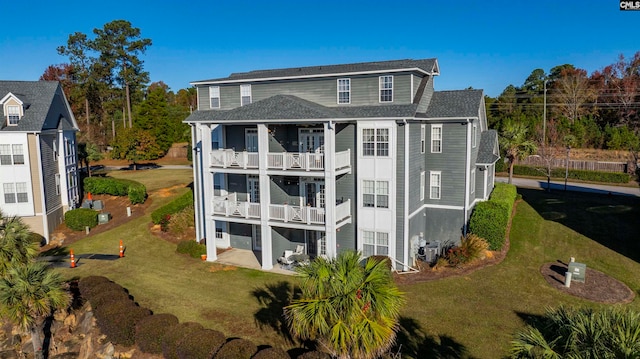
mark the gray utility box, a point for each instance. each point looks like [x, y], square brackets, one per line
[578, 271]
[104, 217]
[432, 252]
[98, 205]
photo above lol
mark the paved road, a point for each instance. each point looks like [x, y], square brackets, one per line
[573, 186]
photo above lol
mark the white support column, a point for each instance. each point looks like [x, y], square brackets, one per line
[265, 197]
[207, 194]
[197, 180]
[405, 216]
[330, 188]
[467, 177]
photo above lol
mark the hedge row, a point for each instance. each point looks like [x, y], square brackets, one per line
[489, 219]
[79, 218]
[192, 248]
[136, 191]
[172, 207]
[581, 175]
[125, 323]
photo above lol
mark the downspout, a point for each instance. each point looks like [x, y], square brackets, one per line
[197, 168]
[466, 178]
[405, 216]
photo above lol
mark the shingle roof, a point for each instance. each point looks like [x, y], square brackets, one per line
[289, 107]
[42, 111]
[426, 65]
[454, 104]
[488, 149]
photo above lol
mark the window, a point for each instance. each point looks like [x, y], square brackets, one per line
[245, 95]
[386, 88]
[11, 155]
[423, 138]
[375, 142]
[21, 192]
[375, 243]
[344, 91]
[57, 183]
[9, 190]
[436, 138]
[436, 181]
[55, 150]
[423, 183]
[214, 95]
[375, 194]
[474, 136]
[473, 180]
[13, 115]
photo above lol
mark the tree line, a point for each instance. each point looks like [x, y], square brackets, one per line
[109, 92]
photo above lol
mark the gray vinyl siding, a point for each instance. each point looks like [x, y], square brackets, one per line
[230, 96]
[490, 176]
[49, 171]
[451, 162]
[346, 186]
[426, 95]
[285, 239]
[285, 190]
[400, 190]
[444, 225]
[240, 235]
[238, 184]
[235, 137]
[417, 164]
[203, 98]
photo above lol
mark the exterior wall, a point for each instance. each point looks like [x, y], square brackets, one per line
[35, 225]
[49, 170]
[400, 189]
[19, 174]
[285, 239]
[240, 235]
[417, 164]
[426, 95]
[451, 162]
[444, 225]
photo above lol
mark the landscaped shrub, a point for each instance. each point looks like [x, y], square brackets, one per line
[118, 320]
[504, 193]
[314, 355]
[581, 175]
[192, 248]
[174, 336]
[382, 259]
[202, 343]
[78, 219]
[172, 207]
[101, 298]
[237, 349]
[136, 191]
[271, 353]
[181, 221]
[86, 284]
[489, 220]
[150, 330]
[471, 248]
[98, 288]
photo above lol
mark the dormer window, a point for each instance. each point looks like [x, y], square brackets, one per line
[13, 115]
[245, 95]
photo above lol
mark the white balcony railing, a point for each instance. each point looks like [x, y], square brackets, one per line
[343, 210]
[229, 206]
[299, 214]
[304, 161]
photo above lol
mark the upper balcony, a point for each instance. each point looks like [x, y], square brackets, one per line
[285, 161]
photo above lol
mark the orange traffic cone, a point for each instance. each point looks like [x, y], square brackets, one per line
[121, 249]
[73, 259]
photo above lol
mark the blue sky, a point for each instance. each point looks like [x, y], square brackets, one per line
[482, 44]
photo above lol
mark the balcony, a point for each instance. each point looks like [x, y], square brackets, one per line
[300, 161]
[229, 206]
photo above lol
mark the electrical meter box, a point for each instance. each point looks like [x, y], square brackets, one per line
[578, 271]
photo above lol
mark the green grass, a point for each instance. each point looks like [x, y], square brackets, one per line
[473, 315]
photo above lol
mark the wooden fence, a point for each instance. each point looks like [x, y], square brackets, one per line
[621, 167]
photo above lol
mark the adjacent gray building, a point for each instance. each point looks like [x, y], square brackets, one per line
[363, 156]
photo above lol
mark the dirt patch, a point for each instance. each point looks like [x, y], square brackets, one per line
[598, 287]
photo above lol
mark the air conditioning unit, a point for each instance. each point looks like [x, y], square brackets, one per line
[432, 251]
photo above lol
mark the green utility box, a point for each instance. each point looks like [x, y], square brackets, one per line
[578, 271]
[104, 217]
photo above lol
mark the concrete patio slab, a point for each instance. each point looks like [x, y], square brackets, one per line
[247, 259]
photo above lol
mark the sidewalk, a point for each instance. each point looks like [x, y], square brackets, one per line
[573, 186]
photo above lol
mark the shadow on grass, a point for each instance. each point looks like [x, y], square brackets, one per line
[607, 219]
[273, 298]
[413, 342]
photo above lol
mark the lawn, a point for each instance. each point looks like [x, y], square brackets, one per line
[473, 315]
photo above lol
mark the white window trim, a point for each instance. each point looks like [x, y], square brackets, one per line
[473, 181]
[16, 109]
[423, 138]
[215, 89]
[376, 142]
[12, 153]
[432, 184]
[380, 88]
[433, 139]
[423, 184]
[245, 87]
[348, 91]
[375, 244]
[376, 192]
[474, 135]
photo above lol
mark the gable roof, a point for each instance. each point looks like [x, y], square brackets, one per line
[289, 107]
[425, 66]
[488, 149]
[454, 104]
[45, 106]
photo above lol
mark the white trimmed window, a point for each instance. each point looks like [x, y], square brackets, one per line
[21, 192]
[435, 184]
[473, 181]
[375, 243]
[55, 150]
[474, 136]
[375, 194]
[214, 96]
[423, 184]
[344, 91]
[13, 115]
[436, 138]
[375, 142]
[245, 95]
[386, 88]
[423, 138]
[11, 155]
[9, 190]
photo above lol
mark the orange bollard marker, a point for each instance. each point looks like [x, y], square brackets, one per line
[121, 249]
[73, 259]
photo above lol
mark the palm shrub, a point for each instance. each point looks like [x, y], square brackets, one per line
[17, 245]
[203, 343]
[174, 336]
[271, 353]
[580, 333]
[151, 329]
[237, 349]
[352, 309]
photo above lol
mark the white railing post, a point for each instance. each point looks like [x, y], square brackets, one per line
[286, 213]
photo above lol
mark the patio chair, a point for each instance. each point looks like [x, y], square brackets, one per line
[286, 260]
[299, 249]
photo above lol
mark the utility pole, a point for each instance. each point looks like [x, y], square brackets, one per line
[544, 115]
